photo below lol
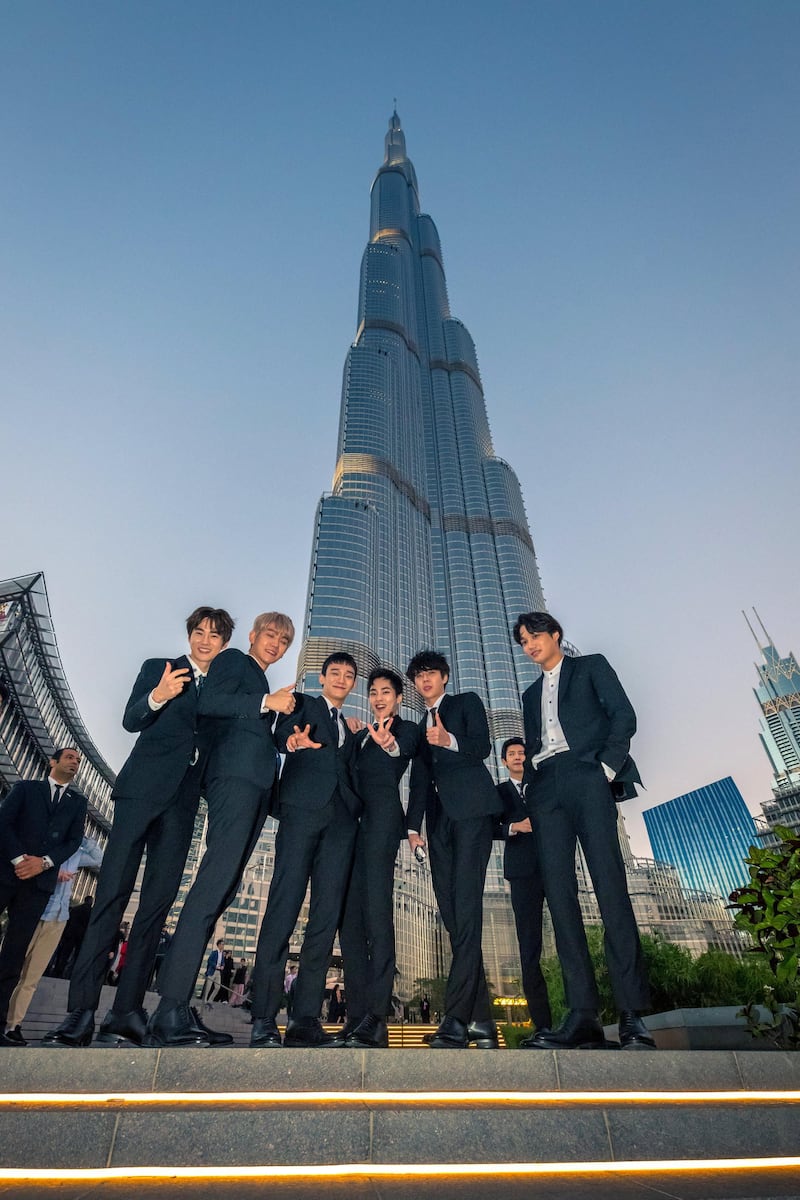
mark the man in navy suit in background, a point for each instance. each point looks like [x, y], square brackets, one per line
[578, 729]
[522, 870]
[156, 796]
[41, 825]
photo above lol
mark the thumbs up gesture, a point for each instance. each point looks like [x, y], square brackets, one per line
[437, 735]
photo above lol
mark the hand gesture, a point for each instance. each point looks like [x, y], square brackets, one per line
[523, 826]
[436, 734]
[301, 740]
[65, 876]
[282, 701]
[354, 724]
[30, 866]
[415, 840]
[383, 735]
[170, 684]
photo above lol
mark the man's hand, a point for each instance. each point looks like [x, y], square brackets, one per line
[301, 740]
[282, 701]
[31, 866]
[65, 876]
[383, 735]
[415, 840]
[521, 826]
[354, 724]
[170, 684]
[437, 735]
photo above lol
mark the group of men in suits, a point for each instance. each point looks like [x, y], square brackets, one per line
[208, 720]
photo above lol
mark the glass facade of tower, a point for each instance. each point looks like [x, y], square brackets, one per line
[423, 541]
[706, 835]
[778, 696]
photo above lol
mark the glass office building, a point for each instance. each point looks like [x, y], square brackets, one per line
[706, 834]
[778, 696]
[423, 540]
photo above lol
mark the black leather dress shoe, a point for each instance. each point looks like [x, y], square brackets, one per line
[633, 1033]
[77, 1029]
[451, 1035]
[15, 1036]
[174, 1027]
[580, 1030]
[215, 1038]
[483, 1035]
[309, 1034]
[370, 1034]
[265, 1033]
[122, 1029]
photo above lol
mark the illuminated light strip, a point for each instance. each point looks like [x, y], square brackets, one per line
[384, 1170]
[387, 1099]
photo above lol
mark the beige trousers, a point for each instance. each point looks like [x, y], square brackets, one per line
[43, 943]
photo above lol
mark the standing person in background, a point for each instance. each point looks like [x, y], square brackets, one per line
[578, 729]
[224, 994]
[239, 980]
[41, 826]
[454, 792]
[156, 796]
[47, 934]
[523, 872]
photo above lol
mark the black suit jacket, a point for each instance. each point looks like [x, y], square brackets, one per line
[377, 775]
[458, 778]
[28, 826]
[167, 738]
[597, 718]
[241, 740]
[310, 777]
[521, 858]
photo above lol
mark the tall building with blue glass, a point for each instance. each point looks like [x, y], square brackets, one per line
[706, 834]
[423, 541]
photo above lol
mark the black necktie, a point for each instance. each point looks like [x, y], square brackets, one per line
[432, 715]
[335, 719]
[200, 682]
[56, 796]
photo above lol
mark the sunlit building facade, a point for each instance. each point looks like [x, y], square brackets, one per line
[778, 696]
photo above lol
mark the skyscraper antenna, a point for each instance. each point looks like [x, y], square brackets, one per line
[750, 627]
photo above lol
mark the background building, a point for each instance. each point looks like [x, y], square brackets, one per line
[778, 696]
[38, 713]
[706, 834]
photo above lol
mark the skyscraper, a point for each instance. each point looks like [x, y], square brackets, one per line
[706, 834]
[778, 696]
[423, 541]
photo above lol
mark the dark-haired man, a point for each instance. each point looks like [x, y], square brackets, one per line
[237, 710]
[578, 728]
[41, 826]
[452, 788]
[318, 822]
[156, 796]
[521, 869]
[366, 935]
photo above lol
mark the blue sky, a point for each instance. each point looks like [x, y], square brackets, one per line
[183, 206]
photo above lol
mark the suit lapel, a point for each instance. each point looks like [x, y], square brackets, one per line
[565, 677]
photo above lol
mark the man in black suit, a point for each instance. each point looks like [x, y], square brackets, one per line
[523, 872]
[41, 825]
[578, 728]
[318, 823]
[156, 795]
[453, 790]
[236, 711]
[366, 935]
